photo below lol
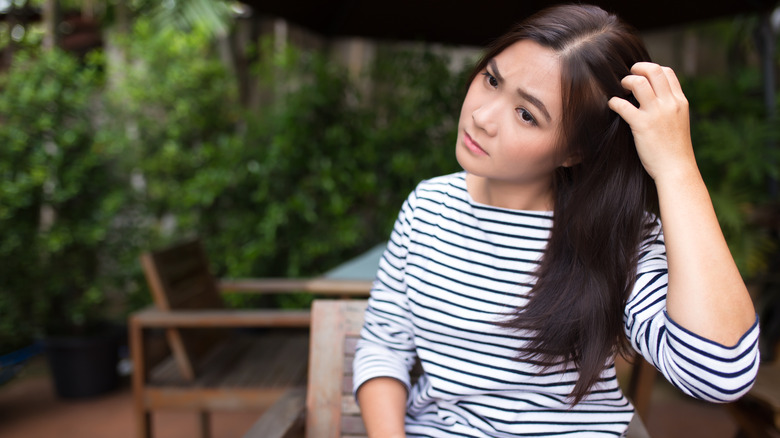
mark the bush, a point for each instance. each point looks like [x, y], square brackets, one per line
[314, 177]
[332, 165]
[731, 134]
[60, 194]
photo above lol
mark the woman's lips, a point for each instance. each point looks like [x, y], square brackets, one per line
[472, 145]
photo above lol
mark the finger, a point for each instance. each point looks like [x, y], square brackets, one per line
[623, 108]
[674, 83]
[640, 87]
[656, 77]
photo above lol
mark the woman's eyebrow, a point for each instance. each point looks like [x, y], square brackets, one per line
[496, 73]
[533, 100]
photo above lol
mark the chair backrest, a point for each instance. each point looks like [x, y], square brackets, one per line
[330, 407]
[331, 410]
[179, 278]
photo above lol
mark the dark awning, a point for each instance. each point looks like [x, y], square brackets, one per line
[475, 22]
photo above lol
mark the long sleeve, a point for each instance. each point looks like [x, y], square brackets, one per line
[699, 367]
[386, 347]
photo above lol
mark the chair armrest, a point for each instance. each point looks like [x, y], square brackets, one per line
[285, 418]
[153, 317]
[320, 285]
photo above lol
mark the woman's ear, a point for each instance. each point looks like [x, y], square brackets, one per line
[572, 160]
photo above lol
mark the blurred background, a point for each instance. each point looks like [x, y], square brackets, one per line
[286, 135]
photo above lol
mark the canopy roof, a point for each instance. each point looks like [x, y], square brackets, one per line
[475, 22]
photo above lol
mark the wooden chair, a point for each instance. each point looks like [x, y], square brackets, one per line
[326, 408]
[758, 412]
[203, 362]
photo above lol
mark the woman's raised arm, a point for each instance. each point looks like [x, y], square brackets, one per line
[706, 294]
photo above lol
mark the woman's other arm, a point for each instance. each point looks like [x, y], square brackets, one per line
[383, 406]
[706, 294]
[386, 351]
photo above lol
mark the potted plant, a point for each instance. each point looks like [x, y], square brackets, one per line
[60, 200]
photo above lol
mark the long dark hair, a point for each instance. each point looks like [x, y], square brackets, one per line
[601, 204]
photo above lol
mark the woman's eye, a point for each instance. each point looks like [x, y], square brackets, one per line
[491, 79]
[526, 116]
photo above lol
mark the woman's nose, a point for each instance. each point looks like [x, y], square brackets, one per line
[485, 118]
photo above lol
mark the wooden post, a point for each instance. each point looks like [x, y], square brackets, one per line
[51, 22]
[142, 417]
[205, 424]
[326, 361]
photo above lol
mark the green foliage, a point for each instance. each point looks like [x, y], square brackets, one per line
[415, 108]
[172, 116]
[731, 134]
[59, 195]
[314, 177]
[333, 165]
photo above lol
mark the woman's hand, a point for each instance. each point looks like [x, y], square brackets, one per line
[660, 125]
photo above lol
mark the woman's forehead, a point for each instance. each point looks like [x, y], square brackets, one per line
[531, 69]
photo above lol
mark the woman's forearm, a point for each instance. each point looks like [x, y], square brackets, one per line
[383, 406]
[706, 293]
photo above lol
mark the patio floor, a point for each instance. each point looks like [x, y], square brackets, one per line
[30, 409]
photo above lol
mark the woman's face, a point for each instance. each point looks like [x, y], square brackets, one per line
[509, 123]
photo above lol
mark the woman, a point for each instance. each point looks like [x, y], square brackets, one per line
[580, 228]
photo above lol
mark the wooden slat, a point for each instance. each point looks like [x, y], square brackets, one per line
[354, 312]
[219, 366]
[351, 420]
[350, 345]
[251, 361]
[196, 291]
[322, 286]
[349, 406]
[166, 373]
[352, 425]
[284, 418]
[181, 357]
[155, 282]
[223, 318]
[180, 274]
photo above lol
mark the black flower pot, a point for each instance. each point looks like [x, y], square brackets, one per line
[83, 366]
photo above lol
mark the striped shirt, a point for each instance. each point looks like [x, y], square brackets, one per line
[453, 268]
